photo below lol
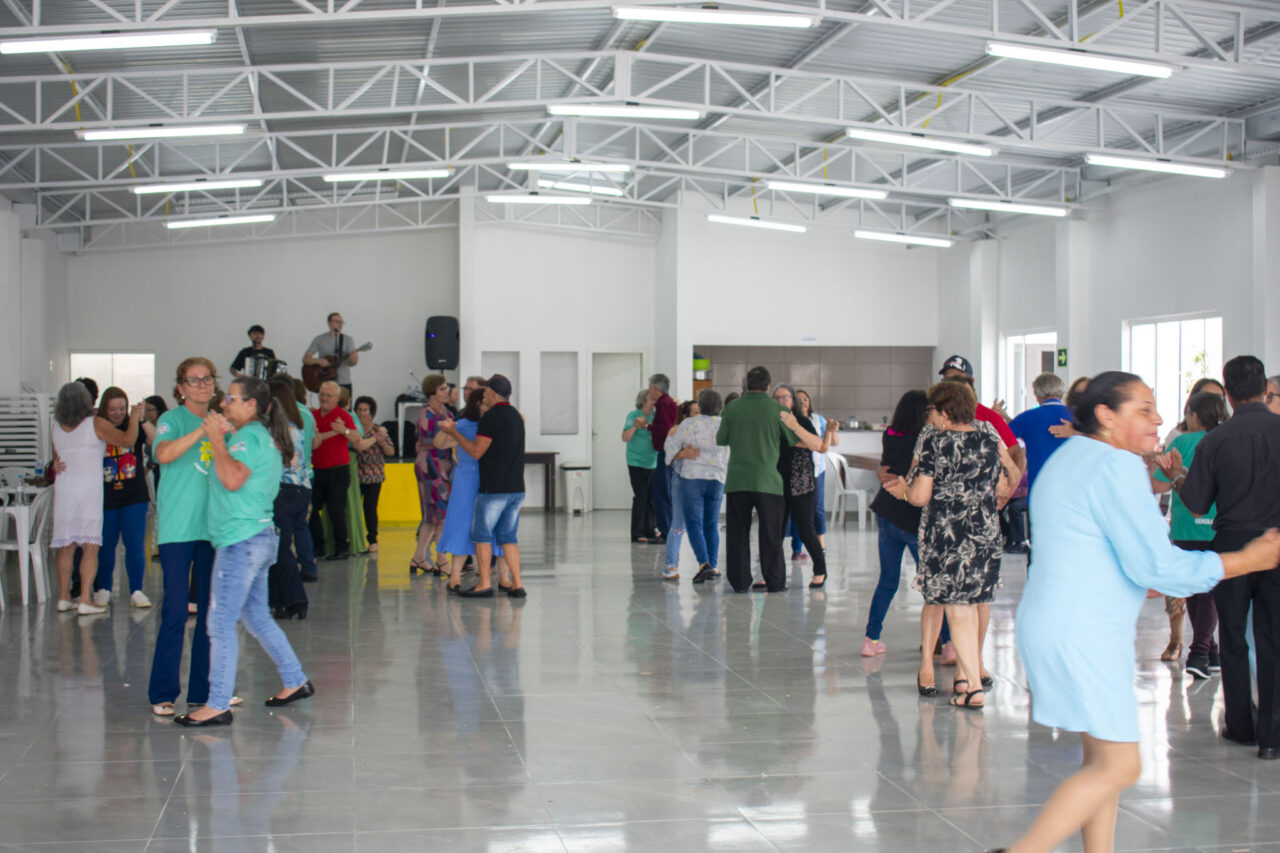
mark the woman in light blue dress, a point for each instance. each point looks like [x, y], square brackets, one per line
[1101, 543]
[455, 537]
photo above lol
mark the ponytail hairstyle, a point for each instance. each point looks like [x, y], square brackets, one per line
[281, 387]
[1208, 409]
[1110, 389]
[269, 415]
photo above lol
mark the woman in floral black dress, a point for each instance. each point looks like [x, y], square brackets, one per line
[958, 469]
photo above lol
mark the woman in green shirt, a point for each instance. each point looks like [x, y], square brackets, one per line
[642, 459]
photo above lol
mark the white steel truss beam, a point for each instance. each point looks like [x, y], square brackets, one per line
[1165, 30]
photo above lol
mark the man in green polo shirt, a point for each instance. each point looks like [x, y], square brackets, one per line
[753, 426]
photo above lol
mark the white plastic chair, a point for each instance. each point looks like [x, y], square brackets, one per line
[29, 543]
[844, 493]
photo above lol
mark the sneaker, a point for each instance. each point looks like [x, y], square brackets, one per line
[671, 573]
[1215, 661]
[948, 655]
[102, 597]
[800, 556]
[65, 606]
[90, 609]
[705, 573]
[139, 599]
[1198, 666]
[871, 648]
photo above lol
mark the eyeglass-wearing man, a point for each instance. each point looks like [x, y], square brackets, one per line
[332, 472]
[333, 347]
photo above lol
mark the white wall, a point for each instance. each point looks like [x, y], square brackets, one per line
[1026, 300]
[199, 300]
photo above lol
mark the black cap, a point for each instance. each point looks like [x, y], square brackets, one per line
[500, 385]
[957, 362]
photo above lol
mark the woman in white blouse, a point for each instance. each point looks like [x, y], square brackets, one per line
[701, 480]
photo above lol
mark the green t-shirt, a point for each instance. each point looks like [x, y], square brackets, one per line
[640, 452]
[308, 434]
[1184, 526]
[183, 498]
[753, 431]
[236, 516]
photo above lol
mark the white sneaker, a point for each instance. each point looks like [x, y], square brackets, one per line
[102, 597]
[671, 573]
[65, 606]
[139, 599]
[90, 610]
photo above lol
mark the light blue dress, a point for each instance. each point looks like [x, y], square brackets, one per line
[455, 538]
[1100, 544]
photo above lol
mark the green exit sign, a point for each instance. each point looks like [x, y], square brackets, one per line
[1062, 357]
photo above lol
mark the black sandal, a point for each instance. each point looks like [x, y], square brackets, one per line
[966, 700]
[925, 690]
[818, 582]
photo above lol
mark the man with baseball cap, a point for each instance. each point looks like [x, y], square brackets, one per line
[499, 447]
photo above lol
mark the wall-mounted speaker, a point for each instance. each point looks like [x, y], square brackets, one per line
[441, 343]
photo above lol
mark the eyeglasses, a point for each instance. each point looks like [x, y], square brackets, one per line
[193, 381]
[237, 397]
[1271, 395]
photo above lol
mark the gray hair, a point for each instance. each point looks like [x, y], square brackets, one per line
[73, 405]
[1274, 380]
[1048, 385]
[660, 380]
[642, 397]
[709, 402]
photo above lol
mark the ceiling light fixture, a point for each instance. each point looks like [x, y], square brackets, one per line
[713, 16]
[537, 198]
[161, 132]
[1080, 59]
[825, 189]
[566, 166]
[111, 41]
[623, 111]
[198, 186]
[387, 175]
[1008, 207]
[575, 187]
[755, 222]
[908, 239]
[912, 141]
[224, 220]
[1167, 166]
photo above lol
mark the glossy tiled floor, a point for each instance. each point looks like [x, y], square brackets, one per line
[609, 711]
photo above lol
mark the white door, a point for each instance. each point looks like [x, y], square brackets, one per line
[615, 380]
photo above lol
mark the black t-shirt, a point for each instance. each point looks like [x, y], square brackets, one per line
[502, 466]
[795, 464]
[248, 353]
[896, 453]
[122, 475]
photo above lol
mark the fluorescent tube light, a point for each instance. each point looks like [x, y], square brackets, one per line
[537, 198]
[1080, 59]
[404, 175]
[111, 41]
[574, 186]
[713, 16]
[223, 220]
[908, 239]
[912, 141]
[823, 189]
[753, 222]
[198, 186]
[161, 132]
[623, 111]
[565, 166]
[1008, 207]
[1166, 166]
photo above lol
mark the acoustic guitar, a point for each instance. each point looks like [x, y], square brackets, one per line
[315, 375]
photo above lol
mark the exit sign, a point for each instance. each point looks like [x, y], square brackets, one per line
[1062, 357]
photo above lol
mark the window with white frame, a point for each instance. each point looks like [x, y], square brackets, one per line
[1025, 358]
[133, 372]
[1170, 355]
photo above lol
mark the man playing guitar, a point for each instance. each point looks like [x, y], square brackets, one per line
[334, 349]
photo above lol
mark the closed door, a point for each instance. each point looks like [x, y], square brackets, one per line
[615, 379]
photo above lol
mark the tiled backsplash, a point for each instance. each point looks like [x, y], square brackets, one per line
[843, 381]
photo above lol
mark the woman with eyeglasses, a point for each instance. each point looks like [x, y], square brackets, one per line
[800, 486]
[186, 551]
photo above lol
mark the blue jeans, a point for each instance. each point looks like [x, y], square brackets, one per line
[701, 500]
[181, 561]
[675, 533]
[240, 595]
[819, 517]
[497, 518]
[662, 503]
[893, 541]
[131, 522]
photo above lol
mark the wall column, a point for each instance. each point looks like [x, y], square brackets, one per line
[1266, 272]
[1071, 300]
[10, 303]
[469, 296]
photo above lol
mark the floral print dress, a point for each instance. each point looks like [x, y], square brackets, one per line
[959, 536]
[433, 468]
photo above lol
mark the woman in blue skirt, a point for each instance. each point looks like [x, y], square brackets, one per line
[455, 538]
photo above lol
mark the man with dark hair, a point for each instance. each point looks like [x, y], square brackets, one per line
[333, 347]
[665, 414]
[755, 428]
[257, 357]
[1237, 467]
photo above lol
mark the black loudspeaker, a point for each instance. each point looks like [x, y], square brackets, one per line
[442, 343]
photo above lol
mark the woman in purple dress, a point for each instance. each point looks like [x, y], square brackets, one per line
[433, 468]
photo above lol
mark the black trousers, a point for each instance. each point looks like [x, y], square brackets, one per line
[642, 520]
[1233, 597]
[329, 493]
[771, 513]
[801, 510]
[369, 500]
[284, 580]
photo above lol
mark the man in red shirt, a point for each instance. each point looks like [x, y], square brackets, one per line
[331, 460]
[665, 413]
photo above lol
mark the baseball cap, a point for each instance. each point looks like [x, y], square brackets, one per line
[500, 385]
[957, 362]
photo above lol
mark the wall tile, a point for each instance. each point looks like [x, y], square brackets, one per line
[839, 355]
[835, 374]
[912, 355]
[872, 374]
[877, 397]
[875, 355]
[807, 376]
[837, 402]
[728, 373]
[910, 375]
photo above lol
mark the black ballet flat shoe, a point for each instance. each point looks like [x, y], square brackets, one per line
[296, 611]
[453, 589]
[987, 681]
[1268, 753]
[306, 691]
[223, 719]
[925, 690]
[517, 592]
[475, 593]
